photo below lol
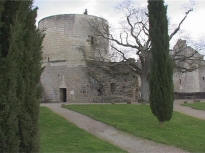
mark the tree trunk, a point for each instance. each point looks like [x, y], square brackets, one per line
[161, 124]
[145, 79]
[144, 88]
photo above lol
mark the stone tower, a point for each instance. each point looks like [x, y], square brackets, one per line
[189, 84]
[69, 41]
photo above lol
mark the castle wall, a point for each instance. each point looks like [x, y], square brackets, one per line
[189, 75]
[69, 38]
[69, 41]
[99, 82]
[116, 81]
[73, 79]
[202, 78]
[186, 82]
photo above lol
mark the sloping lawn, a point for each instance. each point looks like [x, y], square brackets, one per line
[59, 136]
[198, 105]
[182, 131]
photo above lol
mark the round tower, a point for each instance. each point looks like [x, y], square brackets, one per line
[71, 38]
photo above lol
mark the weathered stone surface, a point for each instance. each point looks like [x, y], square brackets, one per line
[69, 43]
[71, 62]
[189, 82]
[70, 37]
[119, 83]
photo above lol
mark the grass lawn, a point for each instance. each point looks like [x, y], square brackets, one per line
[197, 105]
[59, 136]
[182, 131]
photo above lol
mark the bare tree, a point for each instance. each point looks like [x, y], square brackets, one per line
[134, 36]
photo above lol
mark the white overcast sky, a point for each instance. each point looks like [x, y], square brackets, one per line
[193, 27]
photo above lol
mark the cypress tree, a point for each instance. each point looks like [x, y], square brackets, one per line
[9, 140]
[161, 83]
[20, 67]
[27, 40]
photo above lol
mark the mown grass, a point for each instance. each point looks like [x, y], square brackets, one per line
[59, 136]
[197, 105]
[182, 131]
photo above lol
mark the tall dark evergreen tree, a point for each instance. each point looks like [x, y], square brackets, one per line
[161, 83]
[26, 40]
[9, 140]
[22, 68]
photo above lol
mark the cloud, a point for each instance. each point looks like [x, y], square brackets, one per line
[194, 24]
[102, 8]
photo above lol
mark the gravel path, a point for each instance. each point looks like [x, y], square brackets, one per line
[121, 139]
[188, 110]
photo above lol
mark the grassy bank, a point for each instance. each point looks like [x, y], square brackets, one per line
[197, 105]
[59, 136]
[182, 131]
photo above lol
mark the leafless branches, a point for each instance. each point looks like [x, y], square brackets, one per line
[180, 23]
[186, 59]
[135, 35]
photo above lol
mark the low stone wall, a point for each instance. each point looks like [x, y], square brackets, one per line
[115, 81]
[193, 95]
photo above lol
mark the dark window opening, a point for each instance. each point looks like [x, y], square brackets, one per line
[180, 81]
[203, 78]
[92, 40]
[112, 87]
[63, 94]
[100, 90]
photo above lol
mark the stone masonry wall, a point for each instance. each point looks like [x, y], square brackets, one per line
[193, 81]
[68, 40]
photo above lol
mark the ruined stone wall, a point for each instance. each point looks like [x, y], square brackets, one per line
[99, 82]
[186, 82]
[116, 81]
[202, 77]
[193, 81]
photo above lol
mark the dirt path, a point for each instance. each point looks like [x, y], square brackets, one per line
[121, 139]
[188, 110]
